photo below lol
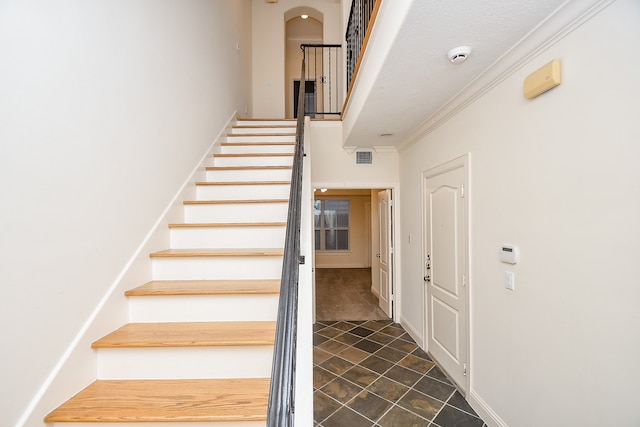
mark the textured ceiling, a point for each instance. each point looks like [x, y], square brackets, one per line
[417, 79]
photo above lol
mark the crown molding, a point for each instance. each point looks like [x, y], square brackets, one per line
[385, 148]
[566, 19]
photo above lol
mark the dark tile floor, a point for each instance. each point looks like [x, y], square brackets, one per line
[372, 373]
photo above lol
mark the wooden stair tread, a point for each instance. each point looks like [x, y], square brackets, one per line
[243, 183]
[228, 224]
[181, 253]
[254, 144]
[226, 202]
[244, 135]
[253, 155]
[189, 334]
[207, 400]
[206, 287]
[268, 119]
[240, 168]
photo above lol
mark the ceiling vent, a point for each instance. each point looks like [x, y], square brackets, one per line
[364, 157]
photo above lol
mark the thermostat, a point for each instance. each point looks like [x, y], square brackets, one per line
[509, 254]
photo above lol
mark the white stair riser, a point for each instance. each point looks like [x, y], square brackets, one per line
[204, 308]
[256, 148]
[249, 175]
[242, 192]
[217, 268]
[185, 362]
[228, 237]
[259, 138]
[290, 128]
[169, 424]
[241, 212]
[253, 161]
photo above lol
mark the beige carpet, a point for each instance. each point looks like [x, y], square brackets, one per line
[345, 294]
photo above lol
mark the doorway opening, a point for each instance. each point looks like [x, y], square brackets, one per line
[300, 31]
[309, 98]
[353, 254]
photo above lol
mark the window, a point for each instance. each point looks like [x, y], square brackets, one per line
[331, 219]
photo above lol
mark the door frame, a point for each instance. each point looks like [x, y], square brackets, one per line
[464, 162]
[390, 232]
[396, 274]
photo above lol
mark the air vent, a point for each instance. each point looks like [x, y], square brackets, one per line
[364, 158]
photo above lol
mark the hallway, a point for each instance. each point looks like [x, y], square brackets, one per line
[345, 294]
[370, 372]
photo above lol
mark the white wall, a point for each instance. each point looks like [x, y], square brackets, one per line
[106, 107]
[269, 50]
[559, 177]
[334, 167]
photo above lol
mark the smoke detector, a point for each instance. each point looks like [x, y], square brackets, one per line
[459, 54]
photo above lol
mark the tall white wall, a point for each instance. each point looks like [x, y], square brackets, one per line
[269, 46]
[558, 176]
[106, 107]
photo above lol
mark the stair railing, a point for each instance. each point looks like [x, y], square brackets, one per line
[281, 407]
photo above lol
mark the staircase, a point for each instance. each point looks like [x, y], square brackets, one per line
[199, 345]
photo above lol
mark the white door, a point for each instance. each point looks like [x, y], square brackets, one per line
[385, 299]
[445, 269]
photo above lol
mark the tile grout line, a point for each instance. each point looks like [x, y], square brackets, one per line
[395, 339]
[380, 375]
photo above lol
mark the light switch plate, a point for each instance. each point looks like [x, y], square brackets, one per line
[509, 280]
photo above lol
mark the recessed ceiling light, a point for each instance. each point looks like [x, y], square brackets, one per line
[304, 16]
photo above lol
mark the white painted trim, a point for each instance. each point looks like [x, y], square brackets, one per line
[80, 336]
[359, 186]
[417, 337]
[372, 289]
[306, 299]
[349, 148]
[566, 19]
[483, 409]
[317, 123]
[385, 149]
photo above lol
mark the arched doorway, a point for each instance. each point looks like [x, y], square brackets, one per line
[299, 30]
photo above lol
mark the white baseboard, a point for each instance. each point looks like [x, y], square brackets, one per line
[483, 409]
[411, 330]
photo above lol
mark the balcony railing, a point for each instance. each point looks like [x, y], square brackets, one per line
[361, 18]
[324, 88]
